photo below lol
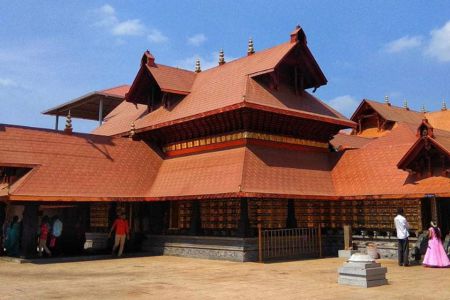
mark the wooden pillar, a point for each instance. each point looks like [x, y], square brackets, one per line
[244, 223]
[434, 210]
[196, 222]
[348, 244]
[29, 230]
[291, 221]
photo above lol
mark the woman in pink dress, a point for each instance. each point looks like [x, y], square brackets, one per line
[435, 256]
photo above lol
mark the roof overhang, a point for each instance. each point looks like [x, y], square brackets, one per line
[88, 106]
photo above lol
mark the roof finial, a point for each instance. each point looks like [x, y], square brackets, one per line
[132, 131]
[68, 129]
[197, 66]
[444, 105]
[422, 109]
[221, 57]
[250, 49]
[405, 104]
[386, 100]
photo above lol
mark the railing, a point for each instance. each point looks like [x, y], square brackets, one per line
[290, 243]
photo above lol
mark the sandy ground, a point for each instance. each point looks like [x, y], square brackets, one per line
[166, 277]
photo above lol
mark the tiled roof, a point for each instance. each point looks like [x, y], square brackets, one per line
[225, 86]
[248, 169]
[348, 141]
[172, 79]
[372, 169]
[393, 113]
[77, 165]
[439, 119]
[120, 90]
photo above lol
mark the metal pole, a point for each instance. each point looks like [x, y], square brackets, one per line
[56, 122]
[100, 112]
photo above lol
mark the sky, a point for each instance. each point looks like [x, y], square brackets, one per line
[54, 51]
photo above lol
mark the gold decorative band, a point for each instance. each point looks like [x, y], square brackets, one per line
[242, 135]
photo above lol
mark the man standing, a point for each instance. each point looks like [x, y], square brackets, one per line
[122, 231]
[55, 241]
[402, 227]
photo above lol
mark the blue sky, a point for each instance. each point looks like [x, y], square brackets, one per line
[56, 51]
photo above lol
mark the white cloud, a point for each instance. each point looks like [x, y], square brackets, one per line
[439, 46]
[208, 62]
[346, 104]
[7, 82]
[404, 43]
[107, 18]
[196, 40]
[129, 27]
[157, 37]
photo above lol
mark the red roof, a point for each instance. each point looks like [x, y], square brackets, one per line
[80, 166]
[391, 112]
[344, 141]
[372, 170]
[172, 79]
[226, 86]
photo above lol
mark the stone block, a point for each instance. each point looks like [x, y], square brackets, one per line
[362, 270]
[346, 253]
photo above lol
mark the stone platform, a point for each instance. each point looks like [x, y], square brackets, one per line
[219, 248]
[362, 270]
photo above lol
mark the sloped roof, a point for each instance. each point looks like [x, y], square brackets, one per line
[372, 170]
[439, 119]
[77, 166]
[227, 86]
[391, 112]
[347, 141]
[87, 106]
[172, 79]
[247, 170]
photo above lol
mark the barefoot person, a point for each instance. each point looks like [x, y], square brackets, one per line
[120, 225]
[402, 227]
[435, 256]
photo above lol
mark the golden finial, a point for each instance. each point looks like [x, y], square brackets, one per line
[197, 66]
[250, 49]
[405, 104]
[386, 100]
[68, 127]
[132, 131]
[444, 105]
[221, 57]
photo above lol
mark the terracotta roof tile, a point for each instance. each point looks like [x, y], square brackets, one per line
[172, 79]
[77, 165]
[439, 119]
[348, 141]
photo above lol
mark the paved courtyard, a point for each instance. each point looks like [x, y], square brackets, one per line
[166, 277]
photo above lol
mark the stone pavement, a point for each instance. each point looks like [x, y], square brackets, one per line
[165, 277]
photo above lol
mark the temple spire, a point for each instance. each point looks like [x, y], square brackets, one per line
[68, 129]
[251, 48]
[221, 57]
[444, 105]
[386, 100]
[132, 131]
[405, 104]
[197, 66]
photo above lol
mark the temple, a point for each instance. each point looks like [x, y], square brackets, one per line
[202, 161]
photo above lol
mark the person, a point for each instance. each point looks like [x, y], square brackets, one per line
[44, 230]
[435, 256]
[402, 227]
[57, 229]
[120, 226]
[13, 237]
